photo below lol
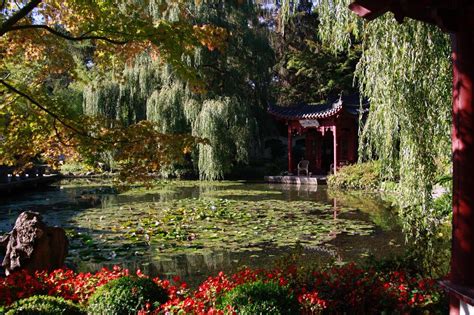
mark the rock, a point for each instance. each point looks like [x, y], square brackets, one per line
[32, 245]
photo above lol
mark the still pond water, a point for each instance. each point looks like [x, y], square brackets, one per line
[196, 229]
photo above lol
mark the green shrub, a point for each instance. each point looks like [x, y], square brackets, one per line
[358, 176]
[44, 305]
[126, 295]
[75, 168]
[260, 298]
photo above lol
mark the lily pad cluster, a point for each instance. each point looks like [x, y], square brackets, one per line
[207, 224]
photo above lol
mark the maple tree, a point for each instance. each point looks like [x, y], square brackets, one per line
[37, 47]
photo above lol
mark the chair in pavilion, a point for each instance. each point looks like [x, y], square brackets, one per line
[303, 165]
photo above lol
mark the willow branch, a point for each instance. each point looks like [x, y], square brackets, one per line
[65, 36]
[18, 15]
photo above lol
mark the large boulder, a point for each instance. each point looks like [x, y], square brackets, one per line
[32, 245]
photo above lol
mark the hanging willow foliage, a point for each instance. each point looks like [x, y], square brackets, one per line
[405, 71]
[228, 124]
[235, 87]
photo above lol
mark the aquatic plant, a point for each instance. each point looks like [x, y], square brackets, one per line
[194, 225]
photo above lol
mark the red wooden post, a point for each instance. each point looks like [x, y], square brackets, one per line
[334, 135]
[352, 145]
[462, 252]
[309, 147]
[319, 149]
[290, 145]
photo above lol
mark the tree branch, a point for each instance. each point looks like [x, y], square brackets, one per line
[65, 36]
[62, 120]
[9, 23]
[37, 104]
[215, 68]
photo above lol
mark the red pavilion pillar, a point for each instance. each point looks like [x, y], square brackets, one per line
[319, 151]
[334, 135]
[290, 145]
[462, 252]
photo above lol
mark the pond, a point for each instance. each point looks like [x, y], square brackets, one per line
[195, 229]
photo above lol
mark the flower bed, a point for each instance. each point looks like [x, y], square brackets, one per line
[346, 289]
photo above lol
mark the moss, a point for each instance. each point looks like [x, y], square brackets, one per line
[44, 305]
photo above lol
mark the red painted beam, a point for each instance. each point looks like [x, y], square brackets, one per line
[462, 261]
[334, 136]
[370, 9]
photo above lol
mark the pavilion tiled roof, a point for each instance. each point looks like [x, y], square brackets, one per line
[307, 111]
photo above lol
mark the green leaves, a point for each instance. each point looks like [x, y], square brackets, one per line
[200, 225]
[308, 70]
[223, 109]
[38, 52]
[405, 71]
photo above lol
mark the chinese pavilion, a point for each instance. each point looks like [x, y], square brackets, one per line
[330, 132]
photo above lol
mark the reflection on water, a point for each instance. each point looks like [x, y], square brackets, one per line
[164, 231]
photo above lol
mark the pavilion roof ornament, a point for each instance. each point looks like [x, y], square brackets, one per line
[307, 111]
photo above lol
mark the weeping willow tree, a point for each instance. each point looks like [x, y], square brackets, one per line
[231, 132]
[405, 71]
[224, 109]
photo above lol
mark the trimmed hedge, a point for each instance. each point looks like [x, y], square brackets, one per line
[126, 295]
[44, 305]
[260, 298]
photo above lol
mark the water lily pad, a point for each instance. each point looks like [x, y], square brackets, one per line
[194, 219]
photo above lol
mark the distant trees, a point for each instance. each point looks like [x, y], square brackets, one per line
[308, 70]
